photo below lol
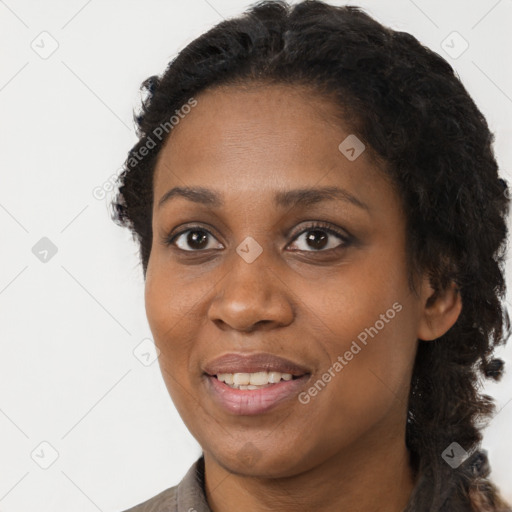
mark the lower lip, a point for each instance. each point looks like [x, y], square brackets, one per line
[253, 401]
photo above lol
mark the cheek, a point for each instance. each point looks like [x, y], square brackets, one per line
[166, 311]
[168, 298]
[375, 357]
[158, 303]
[368, 319]
[175, 312]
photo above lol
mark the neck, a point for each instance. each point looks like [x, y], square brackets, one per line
[371, 478]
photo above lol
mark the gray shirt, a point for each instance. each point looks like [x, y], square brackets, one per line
[189, 494]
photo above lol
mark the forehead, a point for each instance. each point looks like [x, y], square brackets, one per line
[241, 138]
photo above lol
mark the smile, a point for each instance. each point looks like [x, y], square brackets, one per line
[253, 381]
[235, 397]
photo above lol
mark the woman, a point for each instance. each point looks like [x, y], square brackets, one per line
[322, 231]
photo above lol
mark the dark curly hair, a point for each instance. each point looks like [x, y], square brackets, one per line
[410, 109]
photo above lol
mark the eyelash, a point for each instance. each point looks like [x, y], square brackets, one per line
[323, 226]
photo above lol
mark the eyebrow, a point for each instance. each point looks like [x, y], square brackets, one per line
[284, 199]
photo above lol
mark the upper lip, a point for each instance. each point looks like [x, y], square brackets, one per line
[253, 363]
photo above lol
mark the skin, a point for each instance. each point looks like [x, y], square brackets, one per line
[345, 449]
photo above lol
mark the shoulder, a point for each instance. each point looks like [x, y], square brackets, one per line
[162, 502]
[187, 496]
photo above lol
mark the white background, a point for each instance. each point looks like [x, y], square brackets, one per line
[69, 326]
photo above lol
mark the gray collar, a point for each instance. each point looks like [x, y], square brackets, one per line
[190, 495]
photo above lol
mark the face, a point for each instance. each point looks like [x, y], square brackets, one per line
[321, 282]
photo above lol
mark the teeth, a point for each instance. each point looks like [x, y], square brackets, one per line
[253, 380]
[277, 376]
[226, 377]
[258, 379]
[241, 379]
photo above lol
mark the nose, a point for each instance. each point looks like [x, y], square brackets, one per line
[252, 296]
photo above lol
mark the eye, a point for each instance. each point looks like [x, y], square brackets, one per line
[197, 239]
[317, 238]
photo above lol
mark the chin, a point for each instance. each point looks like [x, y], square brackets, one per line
[247, 459]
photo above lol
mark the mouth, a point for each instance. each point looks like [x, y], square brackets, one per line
[253, 383]
[254, 399]
[256, 380]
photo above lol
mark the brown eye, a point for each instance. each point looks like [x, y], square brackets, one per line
[319, 238]
[191, 240]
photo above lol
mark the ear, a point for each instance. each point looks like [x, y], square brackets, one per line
[438, 310]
